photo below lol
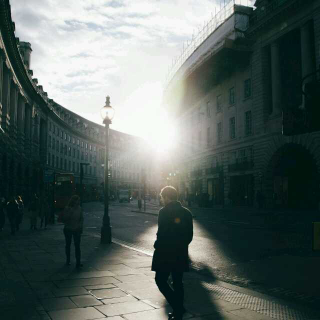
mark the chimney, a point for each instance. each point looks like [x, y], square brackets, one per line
[25, 50]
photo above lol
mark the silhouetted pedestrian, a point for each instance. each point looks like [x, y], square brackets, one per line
[12, 212]
[73, 226]
[34, 211]
[175, 232]
[2, 213]
[20, 212]
[45, 212]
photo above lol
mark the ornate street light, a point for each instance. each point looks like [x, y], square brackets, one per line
[107, 114]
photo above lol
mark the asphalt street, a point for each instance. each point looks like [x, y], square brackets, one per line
[235, 254]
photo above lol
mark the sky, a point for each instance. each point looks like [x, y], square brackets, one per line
[84, 50]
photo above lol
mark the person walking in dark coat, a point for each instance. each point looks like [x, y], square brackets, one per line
[12, 212]
[175, 232]
[2, 213]
[34, 209]
[19, 217]
[73, 226]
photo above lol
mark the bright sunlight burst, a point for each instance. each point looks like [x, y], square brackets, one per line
[162, 133]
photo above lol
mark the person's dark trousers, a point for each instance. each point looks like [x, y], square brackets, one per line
[174, 297]
[76, 235]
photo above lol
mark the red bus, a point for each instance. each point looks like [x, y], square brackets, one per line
[64, 189]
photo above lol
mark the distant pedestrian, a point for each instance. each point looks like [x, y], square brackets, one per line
[12, 213]
[34, 211]
[2, 213]
[73, 226]
[20, 213]
[45, 212]
[175, 232]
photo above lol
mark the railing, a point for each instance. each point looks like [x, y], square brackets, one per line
[240, 166]
[217, 20]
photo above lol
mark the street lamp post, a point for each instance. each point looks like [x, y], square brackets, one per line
[107, 114]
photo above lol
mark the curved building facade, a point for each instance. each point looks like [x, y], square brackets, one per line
[231, 95]
[39, 137]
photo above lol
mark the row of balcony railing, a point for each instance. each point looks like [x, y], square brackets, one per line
[240, 165]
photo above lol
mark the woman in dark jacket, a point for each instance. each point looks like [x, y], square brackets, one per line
[73, 225]
[12, 212]
[175, 232]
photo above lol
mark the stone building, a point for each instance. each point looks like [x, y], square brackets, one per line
[231, 92]
[39, 137]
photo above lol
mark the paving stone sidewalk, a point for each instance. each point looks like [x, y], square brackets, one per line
[115, 283]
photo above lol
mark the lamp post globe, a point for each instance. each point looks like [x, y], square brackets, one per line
[107, 114]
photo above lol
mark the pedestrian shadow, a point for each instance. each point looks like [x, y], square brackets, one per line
[199, 300]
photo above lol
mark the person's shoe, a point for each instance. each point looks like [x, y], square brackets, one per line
[170, 316]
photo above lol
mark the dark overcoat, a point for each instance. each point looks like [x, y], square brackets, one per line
[175, 232]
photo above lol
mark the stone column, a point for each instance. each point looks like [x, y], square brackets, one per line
[276, 79]
[13, 110]
[5, 117]
[2, 59]
[27, 128]
[307, 57]
[21, 120]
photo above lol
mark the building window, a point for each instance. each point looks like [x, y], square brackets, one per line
[73, 167]
[208, 109]
[57, 162]
[65, 149]
[49, 126]
[81, 144]
[73, 140]
[231, 96]
[53, 158]
[58, 132]
[57, 145]
[232, 128]
[247, 88]
[61, 163]
[248, 123]
[65, 164]
[49, 142]
[90, 147]
[65, 136]
[61, 134]
[74, 152]
[208, 136]
[219, 103]
[49, 159]
[54, 129]
[82, 155]
[69, 151]
[78, 154]
[69, 165]
[219, 132]
[86, 146]
[78, 141]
